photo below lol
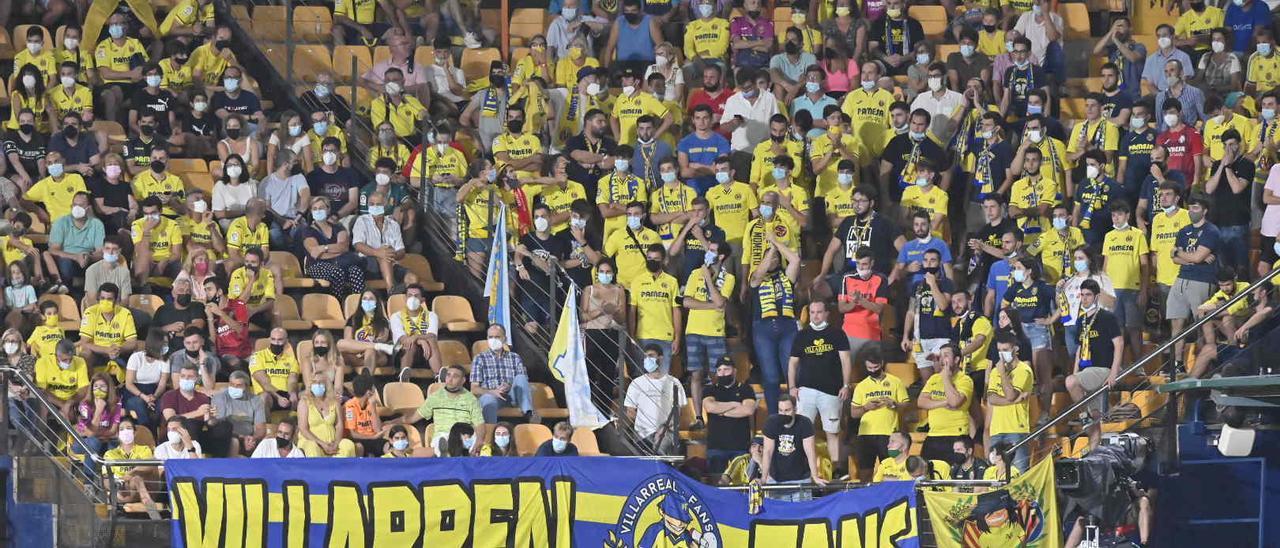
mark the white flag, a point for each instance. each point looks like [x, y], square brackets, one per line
[568, 361]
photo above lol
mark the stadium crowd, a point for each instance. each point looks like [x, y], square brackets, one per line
[831, 189]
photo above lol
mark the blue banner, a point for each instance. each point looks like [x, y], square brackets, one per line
[488, 502]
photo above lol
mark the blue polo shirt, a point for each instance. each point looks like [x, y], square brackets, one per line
[77, 240]
[1191, 237]
[815, 108]
[1243, 19]
[703, 151]
[914, 250]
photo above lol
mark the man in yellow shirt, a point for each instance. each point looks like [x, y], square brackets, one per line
[793, 201]
[1263, 71]
[706, 39]
[107, 331]
[628, 245]
[403, 110]
[70, 96]
[1055, 247]
[839, 200]
[1032, 196]
[631, 105]
[520, 150]
[157, 242]
[55, 192]
[256, 287]
[868, 107]
[755, 240]
[118, 61]
[1124, 252]
[35, 54]
[1218, 120]
[1095, 132]
[706, 295]
[1165, 226]
[926, 196]
[162, 184]
[188, 19]
[655, 310]
[670, 205]
[1226, 328]
[62, 375]
[615, 191]
[247, 232]
[732, 203]
[827, 152]
[210, 60]
[356, 21]
[777, 145]
[1192, 30]
[875, 402]
[893, 465]
[1055, 165]
[946, 397]
[275, 370]
[1009, 390]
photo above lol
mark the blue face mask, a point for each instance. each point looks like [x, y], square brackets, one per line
[320, 214]
[55, 170]
[1034, 109]
[116, 31]
[812, 87]
[1059, 223]
[235, 393]
[559, 445]
[469, 442]
[766, 211]
[917, 135]
[722, 177]
[318, 390]
[377, 210]
[368, 306]
[779, 173]
[668, 176]
[622, 165]
[320, 127]
[709, 258]
[187, 385]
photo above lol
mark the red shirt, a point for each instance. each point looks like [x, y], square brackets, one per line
[173, 399]
[701, 97]
[862, 322]
[1183, 147]
[231, 342]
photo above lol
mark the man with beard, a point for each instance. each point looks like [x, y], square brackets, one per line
[790, 455]
[1127, 54]
[876, 399]
[928, 322]
[589, 152]
[973, 333]
[864, 229]
[729, 405]
[911, 257]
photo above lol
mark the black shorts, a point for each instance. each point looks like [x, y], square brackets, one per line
[868, 450]
[939, 447]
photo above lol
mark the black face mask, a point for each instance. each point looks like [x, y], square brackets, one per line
[184, 299]
[193, 353]
[27, 128]
[277, 349]
[180, 60]
[70, 132]
[792, 48]
[253, 268]
[453, 390]
[497, 80]
[283, 443]
[931, 270]
[725, 380]
[712, 88]
[157, 166]
[777, 138]
[754, 14]
[653, 266]
[879, 373]
[633, 18]
[959, 458]
[515, 126]
[233, 133]
[1197, 6]
[147, 130]
[222, 44]
[989, 28]
[321, 351]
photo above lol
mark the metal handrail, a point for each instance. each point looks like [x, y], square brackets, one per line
[1192, 329]
[53, 411]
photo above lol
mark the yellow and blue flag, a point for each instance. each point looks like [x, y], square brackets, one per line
[497, 284]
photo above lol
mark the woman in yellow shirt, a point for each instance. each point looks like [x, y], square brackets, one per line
[28, 93]
[319, 422]
[568, 66]
[536, 63]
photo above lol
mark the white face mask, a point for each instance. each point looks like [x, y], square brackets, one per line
[71, 43]
[628, 90]
[67, 81]
[382, 179]
[1171, 120]
[1006, 356]
[593, 89]
[818, 326]
[496, 344]
[540, 224]
[1091, 171]
[1164, 42]
[935, 83]
[413, 303]
[234, 171]
[200, 206]
[1219, 46]
[11, 348]
[174, 437]
[1035, 135]
[329, 158]
[650, 364]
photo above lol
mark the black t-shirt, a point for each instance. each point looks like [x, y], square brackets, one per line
[1096, 333]
[587, 177]
[168, 313]
[554, 246]
[581, 274]
[819, 354]
[29, 152]
[1231, 208]
[206, 126]
[901, 149]
[116, 195]
[1114, 104]
[726, 432]
[337, 106]
[980, 261]
[878, 232]
[1020, 82]
[695, 253]
[336, 186]
[789, 462]
[245, 104]
[140, 151]
[159, 104]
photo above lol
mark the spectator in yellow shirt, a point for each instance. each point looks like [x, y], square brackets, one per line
[894, 466]
[107, 332]
[55, 192]
[62, 375]
[46, 335]
[403, 110]
[188, 19]
[157, 243]
[256, 288]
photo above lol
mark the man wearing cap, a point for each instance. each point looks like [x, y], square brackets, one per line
[634, 103]
[673, 529]
[729, 405]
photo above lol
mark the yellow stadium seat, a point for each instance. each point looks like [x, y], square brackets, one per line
[945, 50]
[932, 18]
[68, 311]
[381, 53]
[395, 303]
[475, 62]
[188, 165]
[544, 401]
[343, 56]
[479, 347]
[20, 38]
[455, 353]
[290, 319]
[585, 440]
[424, 55]
[270, 23]
[1075, 16]
[1073, 107]
[241, 13]
[323, 310]
[350, 304]
[146, 303]
[420, 267]
[6, 44]
[312, 24]
[518, 53]
[114, 131]
[781, 14]
[906, 372]
[403, 397]
[292, 271]
[455, 313]
[310, 60]
[200, 181]
[490, 17]
[525, 24]
[529, 437]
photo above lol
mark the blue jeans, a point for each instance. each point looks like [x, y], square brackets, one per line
[137, 406]
[1022, 456]
[1055, 62]
[1235, 249]
[68, 269]
[519, 395]
[772, 339]
[1071, 336]
[97, 447]
[718, 459]
[797, 495]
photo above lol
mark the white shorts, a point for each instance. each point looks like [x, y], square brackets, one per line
[928, 347]
[812, 403]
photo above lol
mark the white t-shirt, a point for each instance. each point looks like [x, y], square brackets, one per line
[397, 324]
[1271, 215]
[440, 82]
[1035, 32]
[167, 451]
[652, 399]
[300, 144]
[233, 198]
[756, 119]
[146, 371]
[677, 80]
[267, 450]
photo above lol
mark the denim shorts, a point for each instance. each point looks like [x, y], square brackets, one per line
[703, 352]
[1127, 312]
[479, 245]
[1039, 335]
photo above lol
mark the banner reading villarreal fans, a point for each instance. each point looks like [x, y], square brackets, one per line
[1022, 513]
[526, 502]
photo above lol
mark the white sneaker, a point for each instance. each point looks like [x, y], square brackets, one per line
[471, 41]
[384, 348]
